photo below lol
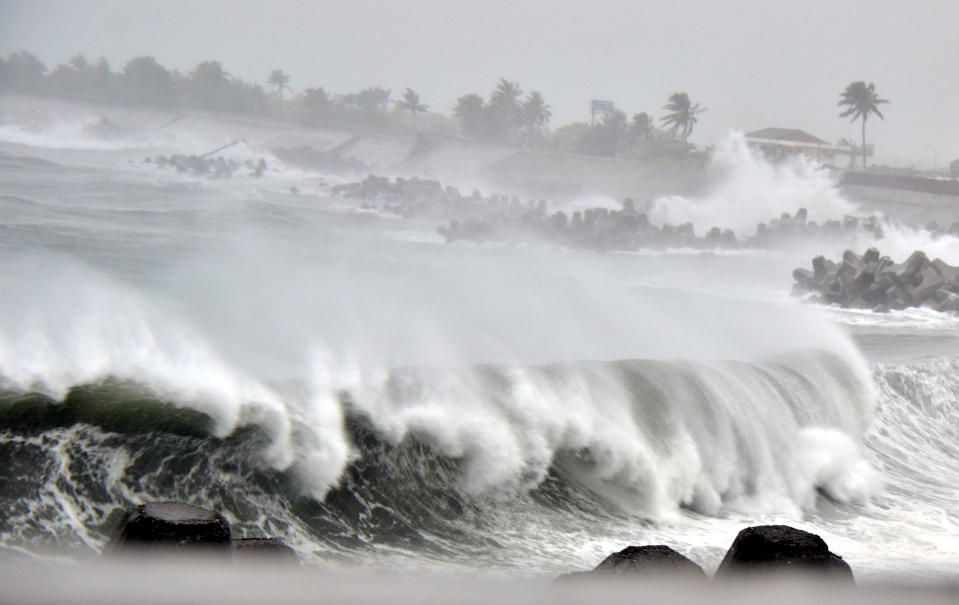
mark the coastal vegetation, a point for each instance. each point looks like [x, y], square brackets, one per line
[411, 103]
[860, 100]
[682, 116]
[279, 80]
[508, 114]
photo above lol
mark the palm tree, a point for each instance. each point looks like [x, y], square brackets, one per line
[315, 98]
[506, 93]
[79, 63]
[373, 99]
[278, 79]
[683, 115]
[505, 108]
[535, 114]
[25, 72]
[145, 81]
[411, 102]
[313, 103]
[642, 127]
[861, 100]
[208, 85]
[470, 109]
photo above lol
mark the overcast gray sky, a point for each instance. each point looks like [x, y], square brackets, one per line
[753, 63]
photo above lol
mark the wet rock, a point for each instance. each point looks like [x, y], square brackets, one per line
[172, 525]
[850, 259]
[948, 273]
[822, 267]
[916, 262]
[205, 166]
[650, 562]
[263, 550]
[871, 256]
[803, 277]
[929, 285]
[779, 549]
[644, 563]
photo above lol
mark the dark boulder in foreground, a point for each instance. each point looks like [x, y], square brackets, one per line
[777, 549]
[172, 525]
[650, 562]
[644, 563]
[158, 527]
[263, 550]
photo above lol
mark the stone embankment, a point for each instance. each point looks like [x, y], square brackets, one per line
[876, 282]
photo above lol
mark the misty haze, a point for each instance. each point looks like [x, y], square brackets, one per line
[424, 297]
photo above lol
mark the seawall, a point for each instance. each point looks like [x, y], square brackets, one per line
[915, 201]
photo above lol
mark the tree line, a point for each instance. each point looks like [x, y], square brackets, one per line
[507, 114]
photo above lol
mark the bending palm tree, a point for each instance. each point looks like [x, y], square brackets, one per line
[411, 102]
[504, 103]
[535, 115]
[278, 79]
[683, 115]
[861, 100]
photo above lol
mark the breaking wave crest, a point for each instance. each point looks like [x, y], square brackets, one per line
[427, 452]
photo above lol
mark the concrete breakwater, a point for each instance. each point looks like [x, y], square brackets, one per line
[206, 166]
[499, 218]
[630, 229]
[872, 281]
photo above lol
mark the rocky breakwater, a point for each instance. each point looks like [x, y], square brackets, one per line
[631, 229]
[210, 167]
[507, 219]
[797, 226]
[418, 198]
[594, 228]
[876, 282]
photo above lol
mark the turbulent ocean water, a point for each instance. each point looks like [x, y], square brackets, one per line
[376, 398]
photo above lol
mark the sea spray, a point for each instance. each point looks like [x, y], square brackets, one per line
[524, 410]
[647, 436]
[747, 189]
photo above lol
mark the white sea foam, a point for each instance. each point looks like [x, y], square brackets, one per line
[66, 133]
[748, 190]
[742, 409]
